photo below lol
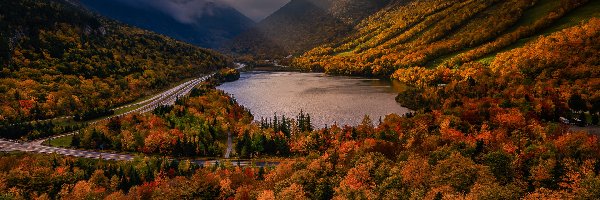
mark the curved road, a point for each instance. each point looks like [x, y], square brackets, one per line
[166, 98]
[8, 146]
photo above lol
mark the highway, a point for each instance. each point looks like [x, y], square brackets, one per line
[35, 148]
[8, 146]
[165, 98]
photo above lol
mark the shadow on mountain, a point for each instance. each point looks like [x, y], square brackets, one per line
[301, 25]
[210, 30]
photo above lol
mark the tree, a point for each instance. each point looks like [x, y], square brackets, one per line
[577, 103]
[293, 192]
[500, 165]
[99, 179]
[76, 141]
[596, 106]
[366, 127]
[457, 171]
[5, 52]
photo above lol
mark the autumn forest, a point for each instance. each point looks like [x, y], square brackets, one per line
[504, 100]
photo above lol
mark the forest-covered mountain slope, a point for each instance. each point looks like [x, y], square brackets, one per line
[209, 27]
[491, 121]
[58, 59]
[301, 25]
[443, 33]
[487, 135]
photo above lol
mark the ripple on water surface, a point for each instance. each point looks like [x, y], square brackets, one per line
[327, 99]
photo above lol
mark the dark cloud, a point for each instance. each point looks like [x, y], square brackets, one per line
[186, 11]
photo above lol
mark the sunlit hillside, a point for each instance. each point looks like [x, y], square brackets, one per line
[332, 99]
[443, 33]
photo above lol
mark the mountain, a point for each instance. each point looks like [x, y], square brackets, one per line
[301, 25]
[203, 23]
[443, 33]
[504, 98]
[58, 59]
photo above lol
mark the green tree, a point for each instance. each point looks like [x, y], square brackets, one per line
[500, 165]
[76, 141]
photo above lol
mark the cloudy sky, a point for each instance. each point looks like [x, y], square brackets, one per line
[187, 10]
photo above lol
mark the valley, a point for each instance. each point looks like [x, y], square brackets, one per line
[334, 99]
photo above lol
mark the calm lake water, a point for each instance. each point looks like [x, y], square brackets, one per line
[328, 99]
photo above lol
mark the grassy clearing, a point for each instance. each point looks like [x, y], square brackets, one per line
[576, 17]
[538, 11]
[62, 142]
[127, 109]
[69, 122]
[439, 60]
[346, 53]
[487, 60]
[541, 9]
[573, 18]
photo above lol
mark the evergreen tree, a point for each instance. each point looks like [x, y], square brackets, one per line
[261, 173]
[577, 103]
[275, 124]
[595, 119]
[178, 148]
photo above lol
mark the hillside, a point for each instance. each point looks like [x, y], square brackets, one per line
[497, 92]
[301, 25]
[486, 136]
[58, 59]
[214, 24]
[443, 33]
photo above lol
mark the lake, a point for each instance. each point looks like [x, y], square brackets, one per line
[328, 99]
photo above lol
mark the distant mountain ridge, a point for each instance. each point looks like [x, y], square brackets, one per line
[301, 25]
[208, 26]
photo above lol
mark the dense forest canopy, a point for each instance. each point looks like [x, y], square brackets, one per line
[487, 134]
[487, 84]
[58, 59]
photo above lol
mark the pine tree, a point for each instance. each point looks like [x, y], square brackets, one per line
[75, 141]
[577, 103]
[261, 173]
[276, 123]
[300, 120]
[308, 123]
[178, 148]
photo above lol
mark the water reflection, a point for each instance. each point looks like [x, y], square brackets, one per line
[329, 99]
